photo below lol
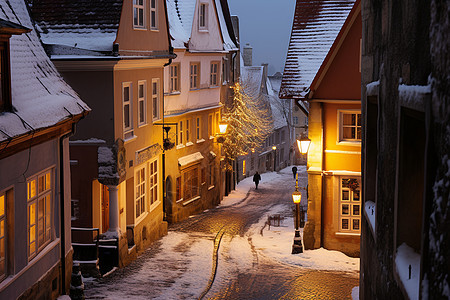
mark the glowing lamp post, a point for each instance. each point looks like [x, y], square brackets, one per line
[274, 148]
[297, 247]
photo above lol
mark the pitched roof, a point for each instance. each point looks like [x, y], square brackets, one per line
[40, 97]
[84, 24]
[315, 27]
[181, 17]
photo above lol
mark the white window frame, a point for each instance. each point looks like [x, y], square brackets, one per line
[350, 203]
[210, 126]
[341, 126]
[198, 128]
[156, 100]
[140, 192]
[142, 103]
[129, 103]
[153, 184]
[216, 123]
[214, 75]
[187, 130]
[203, 16]
[137, 7]
[34, 198]
[174, 78]
[194, 75]
[180, 133]
[153, 15]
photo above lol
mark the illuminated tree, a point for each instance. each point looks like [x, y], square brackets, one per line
[249, 122]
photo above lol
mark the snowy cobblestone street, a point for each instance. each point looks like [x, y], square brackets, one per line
[254, 262]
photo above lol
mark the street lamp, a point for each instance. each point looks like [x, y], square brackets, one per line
[297, 247]
[274, 148]
[223, 127]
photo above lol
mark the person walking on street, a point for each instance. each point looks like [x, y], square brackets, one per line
[294, 171]
[256, 179]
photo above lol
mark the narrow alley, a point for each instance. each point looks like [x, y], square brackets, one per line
[252, 260]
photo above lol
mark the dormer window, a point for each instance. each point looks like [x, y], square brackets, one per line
[203, 16]
[138, 14]
[6, 30]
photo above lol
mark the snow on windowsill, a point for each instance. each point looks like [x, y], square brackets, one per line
[372, 88]
[370, 210]
[211, 137]
[180, 146]
[347, 234]
[189, 144]
[404, 258]
[211, 187]
[200, 141]
[190, 201]
[130, 139]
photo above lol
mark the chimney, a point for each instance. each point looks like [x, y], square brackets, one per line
[235, 22]
[248, 55]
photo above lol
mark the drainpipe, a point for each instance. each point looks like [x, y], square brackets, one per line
[62, 208]
[164, 151]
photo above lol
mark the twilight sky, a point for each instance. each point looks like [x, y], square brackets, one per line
[266, 25]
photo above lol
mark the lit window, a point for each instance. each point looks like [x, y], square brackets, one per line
[3, 229]
[141, 191]
[155, 100]
[174, 74]
[210, 125]
[142, 102]
[191, 184]
[39, 199]
[243, 167]
[138, 13]
[214, 73]
[153, 15]
[153, 185]
[350, 126]
[350, 206]
[127, 110]
[198, 128]
[203, 16]
[194, 76]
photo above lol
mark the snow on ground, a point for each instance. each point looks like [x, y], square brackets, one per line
[355, 293]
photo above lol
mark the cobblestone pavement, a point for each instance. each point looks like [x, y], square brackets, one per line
[265, 279]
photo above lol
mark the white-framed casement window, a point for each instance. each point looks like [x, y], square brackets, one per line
[140, 191]
[295, 120]
[350, 205]
[139, 14]
[127, 109]
[39, 206]
[194, 75]
[3, 231]
[153, 182]
[187, 131]
[180, 133]
[153, 15]
[190, 184]
[156, 105]
[198, 129]
[203, 16]
[174, 77]
[349, 125]
[142, 102]
[210, 126]
[214, 76]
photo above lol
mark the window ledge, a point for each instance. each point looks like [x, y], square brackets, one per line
[189, 144]
[200, 141]
[154, 29]
[142, 125]
[211, 137]
[211, 187]
[347, 234]
[140, 218]
[203, 30]
[180, 146]
[172, 93]
[349, 143]
[130, 139]
[191, 200]
[179, 200]
[139, 28]
[154, 205]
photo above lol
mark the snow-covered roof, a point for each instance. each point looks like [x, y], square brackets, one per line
[40, 97]
[251, 78]
[82, 24]
[190, 159]
[180, 25]
[277, 104]
[181, 17]
[315, 27]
